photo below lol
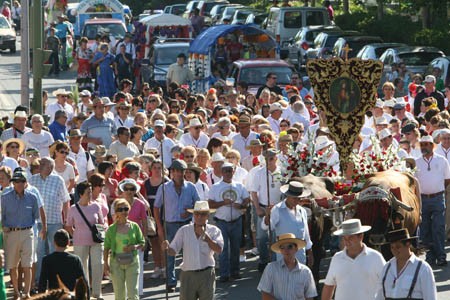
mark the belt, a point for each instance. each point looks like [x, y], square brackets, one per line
[262, 205]
[432, 195]
[19, 228]
[233, 221]
[201, 270]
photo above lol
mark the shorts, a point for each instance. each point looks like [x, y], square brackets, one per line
[19, 247]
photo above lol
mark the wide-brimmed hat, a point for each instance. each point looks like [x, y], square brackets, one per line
[194, 122]
[129, 181]
[201, 206]
[14, 140]
[399, 235]
[386, 132]
[227, 165]
[19, 174]
[122, 104]
[60, 92]
[159, 123]
[270, 153]
[254, 143]
[275, 106]
[244, 119]
[52, 147]
[322, 141]
[287, 238]
[217, 157]
[426, 139]
[99, 151]
[295, 189]
[85, 93]
[430, 78]
[98, 101]
[351, 227]
[381, 121]
[194, 167]
[107, 101]
[178, 164]
[75, 133]
[389, 103]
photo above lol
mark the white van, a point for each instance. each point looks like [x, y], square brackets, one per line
[283, 23]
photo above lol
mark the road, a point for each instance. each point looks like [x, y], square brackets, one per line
[243, 289]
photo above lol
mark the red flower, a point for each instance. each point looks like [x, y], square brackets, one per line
[255, 161]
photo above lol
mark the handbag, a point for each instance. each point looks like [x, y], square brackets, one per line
[97, 235]
[151, 224]
[124, 258]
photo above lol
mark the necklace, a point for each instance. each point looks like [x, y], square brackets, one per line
[428, 162]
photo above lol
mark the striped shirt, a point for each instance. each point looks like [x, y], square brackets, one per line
[285, 284]
[54, 194]
[197, 254]
[13, 133]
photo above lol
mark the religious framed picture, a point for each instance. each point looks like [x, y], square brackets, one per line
[345, 94]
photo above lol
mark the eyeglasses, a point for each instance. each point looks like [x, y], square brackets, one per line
[129, 189]
[64, 96]
[152, 100]
[13, 146]
[32, 154]
[222, 127]
[288, 247]
[122, 209]
[64, 152]
[212, 100]
[173, 122]
[284, 125]
[308, 103]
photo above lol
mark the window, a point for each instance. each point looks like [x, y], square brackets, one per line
[293, 19]
[314, 18]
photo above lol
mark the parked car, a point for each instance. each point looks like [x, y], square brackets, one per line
[355, 43]
[216, 13]
[240, 15]
[176, 9]
[7, 35]
[254, 72]
[162, 54]
[206, 6]
[189, 8]
[228, 12]
[443, 74]
[256, 19]
[284, 22]
[304, 39]
[374, 51]
[324, 42]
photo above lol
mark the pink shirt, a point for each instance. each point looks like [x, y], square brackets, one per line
[82, 235]
[104, 205]
[138, 212]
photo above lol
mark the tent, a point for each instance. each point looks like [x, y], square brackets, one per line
[165, 20]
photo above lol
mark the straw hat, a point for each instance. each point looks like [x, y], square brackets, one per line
[254, 143]
[201, 206]
[194, 167]
[426, 139]
[194, 122]
[351, 227]
[99, 151]
[384, 134]
[14, 140]
[287, 238]
[322, 141]
[61, 92]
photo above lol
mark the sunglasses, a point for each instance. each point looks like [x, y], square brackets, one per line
[152, 100]
[198, 128]
[122, 209]
[288, 246]
[64, 152]
[189, 156]
[129, 189]
[211, 100]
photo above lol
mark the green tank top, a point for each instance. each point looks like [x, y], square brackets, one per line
[122, 240]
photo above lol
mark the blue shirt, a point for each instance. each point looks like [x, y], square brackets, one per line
[175, 204]
[104, 128]
[58, 131]
[61, 30]
[19, 212]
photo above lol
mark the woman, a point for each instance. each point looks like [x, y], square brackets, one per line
[284, 125]
[59, 152]
[98, 184]
[123, 238]
[84, 56]
[137, 105]
[203, 158]
[240, 174]
[136, 134]
[5, 178]
[145, 160]
[250, 101]
[138, 214]
[154, 101]
[188, 154]
[110, 189]
[140, 119]
[14, 148]
[192, 174]
[215, 145]
[83, 244]
[145, 92]
[105, 72]
[388, 91]
[151, 186]
[264, 97]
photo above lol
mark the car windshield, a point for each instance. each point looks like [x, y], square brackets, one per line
[115, 30]
[330, 41]
[229, 11]
[257, 75]
[242, 15]
[3, 24]
[418, 58]
[355, 46]
[380, 50]
[168, 55]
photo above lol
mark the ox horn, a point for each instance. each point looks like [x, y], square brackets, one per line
[398, 203]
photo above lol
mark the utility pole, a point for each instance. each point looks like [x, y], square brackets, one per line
[25, 55]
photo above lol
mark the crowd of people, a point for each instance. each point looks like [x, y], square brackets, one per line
[133, 175]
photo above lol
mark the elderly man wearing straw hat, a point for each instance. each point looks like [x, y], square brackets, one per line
[19, 121]
[406, 276]
[287, 278]
[356, 270]
[61, 104]
[199, 241]
[195, 137]
[242, 140]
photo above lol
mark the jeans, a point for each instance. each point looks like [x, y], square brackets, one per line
[95, 253]
[54, 61]
[432, 229]
[229, 258]
[172, 229]
[63, 52]
[262, 241]
[45, 247]
[125, 279]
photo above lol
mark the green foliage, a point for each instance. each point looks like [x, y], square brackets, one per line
[434, 37]
[353, 21]
[392, 28]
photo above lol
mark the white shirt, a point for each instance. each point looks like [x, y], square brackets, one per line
[202, 190]
[288, 112]
[83, 165]
[432, 181]
[425, 287]
[54, 107]
[123, 151]
[224, 137]
[40, 141]
[240, 143]
[247, 162]
[234, 191]
[240, 175]
[168, 144]
[197, 254]
[356, 278]
[441, 151]
[128, 122]
[187, 140]
[212, 178]
[260, 186]
[9, 162]
[275, 124]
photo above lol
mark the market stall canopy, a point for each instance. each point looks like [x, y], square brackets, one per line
[207, 38]
[165, 20]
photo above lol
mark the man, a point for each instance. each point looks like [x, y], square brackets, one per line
[58, 127]
[356, 270]
[20, 208]
[179, 196]
[242, 140]
[61, 104]
[443, 149]
[60, 264]
[122, 147]
[400, 110]
[56, 203]
[129, 48]
[38, 138]
[260, 199]
[271, 84]
[53, 43]
[179, 73]
[98, 129]
[215, 173]
[82, 158]
[429, 91]
[405, 276]
[433, 175]
[297, 81]
[197, 278]
[123, 62]
[62, 31]
[387, 140]
[159, 141]
[123, 118]
[287, 278]
[18, 128]
[275, 117]
[194, 137]
[229, 198]
[7, 161]
[197, 21]
[85, 103]
[296, 112]
[255, 158]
